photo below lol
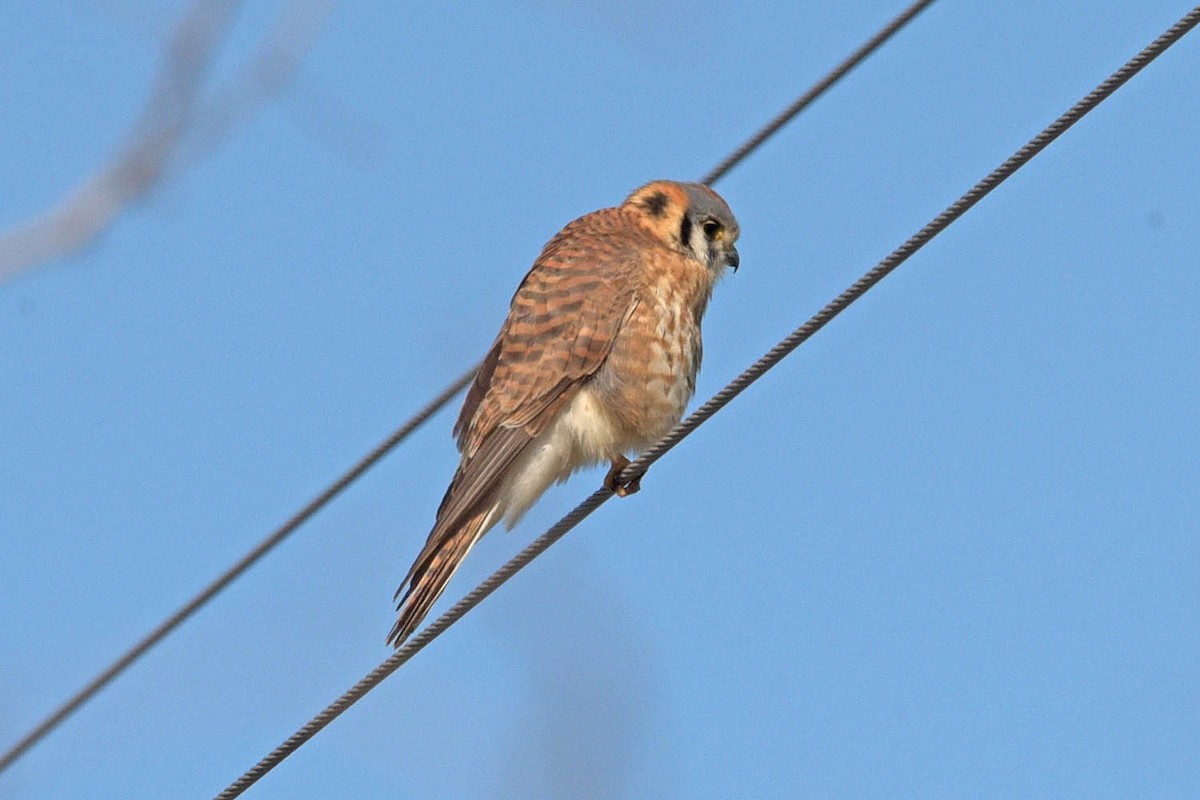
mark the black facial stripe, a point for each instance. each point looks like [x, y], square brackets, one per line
[685, 231]
[656, 204]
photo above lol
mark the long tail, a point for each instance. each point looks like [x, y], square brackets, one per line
[429, 574]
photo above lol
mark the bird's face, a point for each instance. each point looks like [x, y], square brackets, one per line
[691, 218]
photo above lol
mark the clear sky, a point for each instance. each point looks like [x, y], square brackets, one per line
[949, 548]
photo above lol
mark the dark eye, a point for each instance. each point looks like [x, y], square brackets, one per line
[711, 228]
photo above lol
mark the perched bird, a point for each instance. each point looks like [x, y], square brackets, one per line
[597, 358]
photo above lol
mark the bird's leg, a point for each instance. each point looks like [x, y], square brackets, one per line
[619, 463]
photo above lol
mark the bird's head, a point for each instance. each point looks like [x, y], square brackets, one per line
[691, 218]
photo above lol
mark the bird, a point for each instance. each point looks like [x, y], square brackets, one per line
[596, 360]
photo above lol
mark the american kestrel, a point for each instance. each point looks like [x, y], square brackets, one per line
[597, 359]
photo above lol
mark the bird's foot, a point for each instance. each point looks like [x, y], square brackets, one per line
[613, 478]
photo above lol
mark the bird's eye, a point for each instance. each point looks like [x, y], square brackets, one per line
[711, 228]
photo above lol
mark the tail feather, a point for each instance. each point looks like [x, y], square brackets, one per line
[430, 573]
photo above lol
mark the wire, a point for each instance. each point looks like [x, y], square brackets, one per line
[447, 394]
[818, 89]
[231, 574]
[718, 401]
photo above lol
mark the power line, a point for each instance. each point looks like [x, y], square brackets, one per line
[168, 625]
[235, 571]
[718, 401]
[802, 102]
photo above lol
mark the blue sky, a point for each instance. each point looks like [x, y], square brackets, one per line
[949, 548]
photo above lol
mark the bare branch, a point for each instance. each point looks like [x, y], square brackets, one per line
[264, 76]
[174, 117]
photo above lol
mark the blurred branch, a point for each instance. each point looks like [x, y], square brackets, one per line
[173, 116]
[263, 77]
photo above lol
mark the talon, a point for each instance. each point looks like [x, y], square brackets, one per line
[633, 487]
[611, 479]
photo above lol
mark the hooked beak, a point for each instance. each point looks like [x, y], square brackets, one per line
[731, 259]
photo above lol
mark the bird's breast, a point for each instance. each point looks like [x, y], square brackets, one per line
[650, 374]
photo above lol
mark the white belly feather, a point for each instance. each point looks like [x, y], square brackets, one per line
[582, 435]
